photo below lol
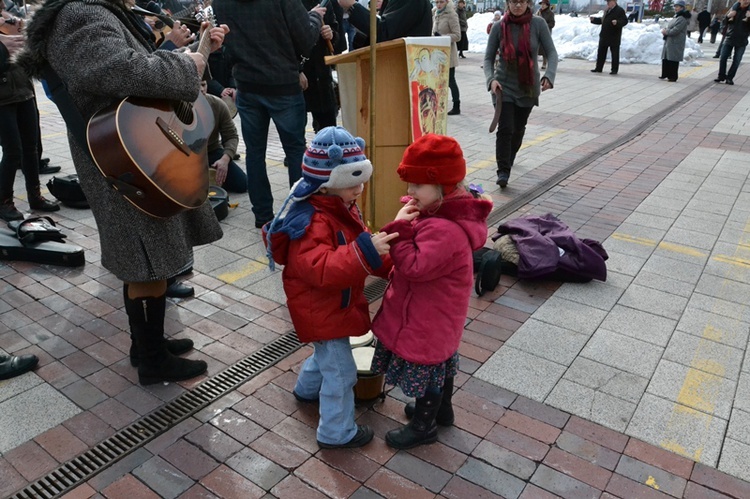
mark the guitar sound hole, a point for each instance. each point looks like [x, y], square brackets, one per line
[184, 112]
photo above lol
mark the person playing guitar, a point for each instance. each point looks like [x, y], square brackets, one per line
[101, 61]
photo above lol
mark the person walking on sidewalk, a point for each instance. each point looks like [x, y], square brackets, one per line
[704, 20]
[421, 319]
[445, 23]
[102, 52]
[549, 17]
[610, 36]
[738, 28]
[674, 42]
[327, 252]
[463, 43]
[515, 80]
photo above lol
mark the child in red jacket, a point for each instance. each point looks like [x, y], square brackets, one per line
[421, 320]
[328, 252]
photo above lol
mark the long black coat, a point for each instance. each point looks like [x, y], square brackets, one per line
[610, 33]
[320, 96]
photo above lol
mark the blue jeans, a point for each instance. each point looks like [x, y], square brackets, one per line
[350, 32]
[289, 116]
[236, 179]
[330, 375]
[726, 51]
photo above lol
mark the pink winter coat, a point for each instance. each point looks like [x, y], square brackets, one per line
[425, 304]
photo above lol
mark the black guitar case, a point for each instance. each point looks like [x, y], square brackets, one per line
[67, 189]
[219, 200]
[38, 240]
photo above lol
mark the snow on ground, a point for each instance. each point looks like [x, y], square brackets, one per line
[577, 38]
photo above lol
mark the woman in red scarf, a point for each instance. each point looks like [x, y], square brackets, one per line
[515, 80]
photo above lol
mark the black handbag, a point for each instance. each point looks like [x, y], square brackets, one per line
[67, 189]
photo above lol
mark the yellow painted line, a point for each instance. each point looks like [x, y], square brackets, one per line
[742, 262]
[697, 395]
[251, 268]
[486, 163]
[678, 248]
[632, 239]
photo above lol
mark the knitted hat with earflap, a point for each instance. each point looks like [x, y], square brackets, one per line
[433, 159]
[334, 159]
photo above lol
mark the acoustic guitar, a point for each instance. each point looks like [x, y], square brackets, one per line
[154, 151]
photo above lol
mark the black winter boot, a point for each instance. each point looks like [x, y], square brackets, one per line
[157, 364]
[40, 203]
[422, 428]
[456, 109]
[174, 346]
[8, 210]
[445, 412]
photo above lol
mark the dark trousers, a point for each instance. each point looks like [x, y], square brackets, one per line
[455, 96]
[726, 51]
[601, 54]
[236, 180]
[510, 132]
[19, 134]
[669, 69]
[322, 119]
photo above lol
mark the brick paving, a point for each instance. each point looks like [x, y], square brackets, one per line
[258, 441]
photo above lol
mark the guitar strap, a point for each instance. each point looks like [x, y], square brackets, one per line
[77, 126]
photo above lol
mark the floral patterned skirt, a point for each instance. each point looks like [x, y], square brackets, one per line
[413, 379]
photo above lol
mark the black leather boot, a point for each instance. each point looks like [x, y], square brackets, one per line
[157, 364]
[422, 428]
[445, 412]
[8, 210]
[456, 109]
[175, 346]
[40, 203]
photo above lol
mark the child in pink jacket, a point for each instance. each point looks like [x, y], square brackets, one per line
[421, 320]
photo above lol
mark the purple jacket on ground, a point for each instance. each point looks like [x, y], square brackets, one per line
[548, 248]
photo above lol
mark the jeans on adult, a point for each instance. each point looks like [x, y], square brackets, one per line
[510, 131]
[330, 374]
[236, 180]
[726, 51]
[289, 116]
[350, 32]
[18, 136]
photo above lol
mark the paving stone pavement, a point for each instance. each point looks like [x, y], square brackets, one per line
[633, 387]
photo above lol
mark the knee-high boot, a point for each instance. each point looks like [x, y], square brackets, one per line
[146, 317]
[445, 412]
[175, 346]
[422, 428]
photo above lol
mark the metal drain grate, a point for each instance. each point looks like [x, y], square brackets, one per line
[76, 471]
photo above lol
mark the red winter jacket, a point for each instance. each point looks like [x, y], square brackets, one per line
[324, 276]
[424, 308]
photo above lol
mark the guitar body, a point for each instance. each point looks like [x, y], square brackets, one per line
[155, 157]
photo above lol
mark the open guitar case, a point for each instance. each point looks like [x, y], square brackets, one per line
[38, 240]
[219, 200]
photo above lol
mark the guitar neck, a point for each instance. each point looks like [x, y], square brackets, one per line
[204, 47]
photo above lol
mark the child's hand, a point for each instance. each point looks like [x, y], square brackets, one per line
[381, 241]
[408, 212]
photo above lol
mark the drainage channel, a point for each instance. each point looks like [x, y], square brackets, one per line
[80, 469]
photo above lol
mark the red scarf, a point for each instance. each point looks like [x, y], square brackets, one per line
[522, 56]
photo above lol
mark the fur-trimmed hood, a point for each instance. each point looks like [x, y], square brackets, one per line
[33, 58]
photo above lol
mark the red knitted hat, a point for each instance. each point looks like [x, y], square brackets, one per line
[433, 159]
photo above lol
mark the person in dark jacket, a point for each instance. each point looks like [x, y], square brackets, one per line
[19, 133]
[609, 38]
[704, 20]
[268, 38]
[463, 43]
[738, 28]
[398, 18]
[320, 97]
[549, 17]
[714, 28]
[674, 42]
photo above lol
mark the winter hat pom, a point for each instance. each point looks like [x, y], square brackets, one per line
[333, 159]
[335, 152]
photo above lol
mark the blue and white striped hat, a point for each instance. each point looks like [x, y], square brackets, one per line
[334, 159]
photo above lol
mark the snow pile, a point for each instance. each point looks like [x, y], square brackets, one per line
[577, 38]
